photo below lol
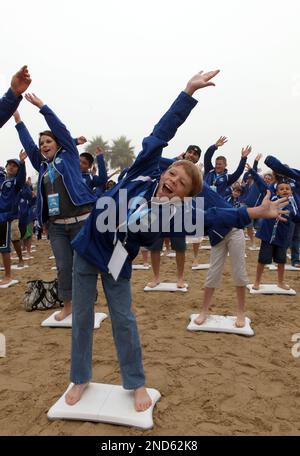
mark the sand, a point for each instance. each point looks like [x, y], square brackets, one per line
[211, 383]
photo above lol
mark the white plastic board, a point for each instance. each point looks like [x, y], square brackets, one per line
[270, 289]
[201, 266]
[9, 284]
[105, 403]
[167, 286]
[220, 323]
[67, 322]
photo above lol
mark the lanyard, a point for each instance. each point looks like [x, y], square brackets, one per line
[217, 178]
[134, 214]
[132, 210]
[293, 204]
[51, 173]
[274, 231]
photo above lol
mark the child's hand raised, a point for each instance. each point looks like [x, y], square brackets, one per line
[33, 99]
[200, 80]
[22, 155]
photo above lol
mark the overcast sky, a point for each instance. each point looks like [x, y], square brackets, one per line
[113, 68]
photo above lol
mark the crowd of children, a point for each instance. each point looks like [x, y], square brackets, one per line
[69, 202]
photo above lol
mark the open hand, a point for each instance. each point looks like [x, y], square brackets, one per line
[200, 80]
[273, 209]
[246, 151]
[33, 99]
[221, 141]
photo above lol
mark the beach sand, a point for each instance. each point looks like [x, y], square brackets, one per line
[211, 383]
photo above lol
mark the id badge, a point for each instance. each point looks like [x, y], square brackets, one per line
[117, 260]
[53, 204]
[214, 188]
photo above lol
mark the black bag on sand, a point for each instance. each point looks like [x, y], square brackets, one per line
[41, 295]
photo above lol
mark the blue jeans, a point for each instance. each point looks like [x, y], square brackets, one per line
[294, 241]
[124, 327]
[60, 238]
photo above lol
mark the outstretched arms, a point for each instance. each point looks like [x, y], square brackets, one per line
[165, 129]
[269, 209]
[177, 114]
[27, 142]
[56, 126]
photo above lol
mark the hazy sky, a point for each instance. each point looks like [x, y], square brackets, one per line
[113, 68]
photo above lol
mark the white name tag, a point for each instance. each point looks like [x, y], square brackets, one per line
[117, 260]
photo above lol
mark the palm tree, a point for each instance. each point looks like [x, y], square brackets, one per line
[122, 154]
[99, 141]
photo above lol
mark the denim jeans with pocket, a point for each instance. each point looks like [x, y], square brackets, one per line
[124, 327]
[61, 236]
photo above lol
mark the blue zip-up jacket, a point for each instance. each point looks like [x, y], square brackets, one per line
[292, 173]
[234, 202]
[2, 175]
[276, 232]
[9, 193]
[278, 167]
[8, 105]
[65, 162]
[257, 191]
[97, 183]
[224, 180]
[141, 180]
[246, 187]
[211, 200]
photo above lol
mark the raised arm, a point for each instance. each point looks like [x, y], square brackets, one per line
[180, 110]
[27, 142]
[256, 161]
[278, 167]
[258, 180]
[166, 128]
[239, 171]
[21, 175]
[102, 178]
[56, 126]
[208, 166]
[10, 101]
[219, 217]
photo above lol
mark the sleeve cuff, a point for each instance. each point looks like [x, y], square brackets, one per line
[11, 96]
[244, 217]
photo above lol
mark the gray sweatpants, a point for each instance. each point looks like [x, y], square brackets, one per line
[234, 243]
